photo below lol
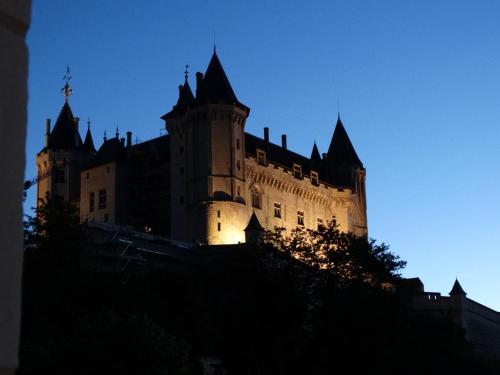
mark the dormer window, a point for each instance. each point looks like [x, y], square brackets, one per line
[261, 157]
[297, 171]
[314, 178]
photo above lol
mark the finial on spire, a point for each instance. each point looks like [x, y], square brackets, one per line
[186, 72]
[67, 91]
[214, 44]
[88, 123]
[105, 136]
[117, 133]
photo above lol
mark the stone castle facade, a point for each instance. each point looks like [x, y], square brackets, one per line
[203, 181]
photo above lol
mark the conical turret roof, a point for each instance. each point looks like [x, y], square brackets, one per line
[88, 144]
[254, 224]
[65, 135]
[315, 155]
[457, 289]
[341, 148]
[215, 86]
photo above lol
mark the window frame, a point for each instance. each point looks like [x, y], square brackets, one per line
[300, 218]
[277, 210]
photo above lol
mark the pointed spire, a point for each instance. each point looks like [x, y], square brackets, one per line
[254, 224]
[341, 148]
[215, 85]
[88, 144]
[315, 155]
[64, 135]
[457, 289]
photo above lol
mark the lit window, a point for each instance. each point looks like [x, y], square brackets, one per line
[60, 176]
[300, 218]
[314, 178]
[261, 157]
[102, 199]
[277, 210]
[255, 198]
[297, 171]
[91, 202]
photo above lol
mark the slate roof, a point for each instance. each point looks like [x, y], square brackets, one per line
[341, 149]
[457, 289]
[215, 86]
[65, 135]
[315, 155]
[186, 98]
[112, 150]
[88, 144]
[254, 224]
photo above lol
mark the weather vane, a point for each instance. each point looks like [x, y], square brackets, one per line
[67, 91]
[186, 72]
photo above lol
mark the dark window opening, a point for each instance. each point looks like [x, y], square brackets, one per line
[277, 210]
[91, 202]
[102, 199]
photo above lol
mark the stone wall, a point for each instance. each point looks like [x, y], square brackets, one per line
[14, 23]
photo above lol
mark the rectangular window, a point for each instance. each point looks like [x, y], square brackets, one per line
[102, 199]
[237, 144]
[218, 227]
[91, 202]
[255, 199]
[314, 178]
[88, 175]
[300, 218]
[107, 169]
[277, 210]
[218, 213]
[261, 157]
[297, 171]
[60, 176]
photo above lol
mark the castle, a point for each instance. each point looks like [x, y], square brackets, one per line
[207, 180]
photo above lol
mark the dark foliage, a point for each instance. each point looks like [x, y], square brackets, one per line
[256, 309]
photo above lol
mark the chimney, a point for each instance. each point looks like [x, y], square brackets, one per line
[122, 141]
[129, 139]
[199, 80]
[283, 141]
[266, 134]
[47, 132]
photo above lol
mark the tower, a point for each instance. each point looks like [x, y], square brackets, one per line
[207, 156]
[346, 170]
[60, 161]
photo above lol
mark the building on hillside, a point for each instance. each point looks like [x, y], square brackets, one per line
[203, 180]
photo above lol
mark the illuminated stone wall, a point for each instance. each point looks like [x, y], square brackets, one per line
[94, 179]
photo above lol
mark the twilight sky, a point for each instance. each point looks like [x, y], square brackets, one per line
[417, 84]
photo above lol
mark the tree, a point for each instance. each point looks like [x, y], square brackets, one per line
[343, 255]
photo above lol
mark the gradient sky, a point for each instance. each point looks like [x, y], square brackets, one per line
[416, 83]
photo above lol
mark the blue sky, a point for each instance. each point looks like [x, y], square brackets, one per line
[416, 83]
